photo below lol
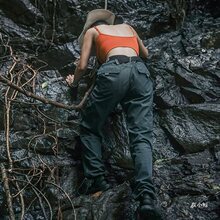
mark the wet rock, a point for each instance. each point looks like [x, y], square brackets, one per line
[188, 175]
[106, 206]
[1, 116]
[23, 120]
[67, 133]
[211, 40]
[183, 42]
[116, 142]
[44, 144]
[198, 79]
[22, 12]
[162, 146]
[64, 53]
[211, 7]
[36, 160]
[194, 127]
[167, 93]
[67, 186]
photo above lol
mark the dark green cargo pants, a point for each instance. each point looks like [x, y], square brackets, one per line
[130, 85]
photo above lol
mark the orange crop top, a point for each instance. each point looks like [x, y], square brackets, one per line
[106, 42]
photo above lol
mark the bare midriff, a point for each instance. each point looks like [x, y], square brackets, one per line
[127, 51]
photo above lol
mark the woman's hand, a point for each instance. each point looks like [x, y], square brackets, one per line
[70, 79]
[73, 89]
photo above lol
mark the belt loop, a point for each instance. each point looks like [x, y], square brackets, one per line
[129, 59]
[117, 61]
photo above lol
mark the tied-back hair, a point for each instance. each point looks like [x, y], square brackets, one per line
[118, 20]
[98, 23]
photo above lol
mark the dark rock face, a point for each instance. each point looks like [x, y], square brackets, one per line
[199, 128]
[183, 39]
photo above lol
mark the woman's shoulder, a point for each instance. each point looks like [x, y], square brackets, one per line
[121, 25]
[124, 26]
[92, 31]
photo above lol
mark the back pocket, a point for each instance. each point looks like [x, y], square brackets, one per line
[141, 68]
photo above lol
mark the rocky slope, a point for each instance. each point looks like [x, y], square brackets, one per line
[39, 44]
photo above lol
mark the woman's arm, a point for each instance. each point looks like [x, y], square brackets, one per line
[143, 49]
[84, 57]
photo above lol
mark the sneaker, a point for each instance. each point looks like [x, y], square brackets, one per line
[91, 186]
[148, 209]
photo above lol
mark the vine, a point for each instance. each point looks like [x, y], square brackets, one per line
[20, 78]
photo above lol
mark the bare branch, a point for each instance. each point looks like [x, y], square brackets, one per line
[44, 100]
[7, 192]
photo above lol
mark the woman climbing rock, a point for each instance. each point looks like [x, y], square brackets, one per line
[122, 78]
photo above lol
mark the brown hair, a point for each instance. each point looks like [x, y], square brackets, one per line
[98, 23]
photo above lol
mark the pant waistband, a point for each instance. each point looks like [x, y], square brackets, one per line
[124, 59]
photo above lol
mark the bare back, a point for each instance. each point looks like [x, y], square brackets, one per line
[122, 30]
[115, 30]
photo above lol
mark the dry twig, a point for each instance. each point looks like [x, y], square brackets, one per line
[7, 192]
